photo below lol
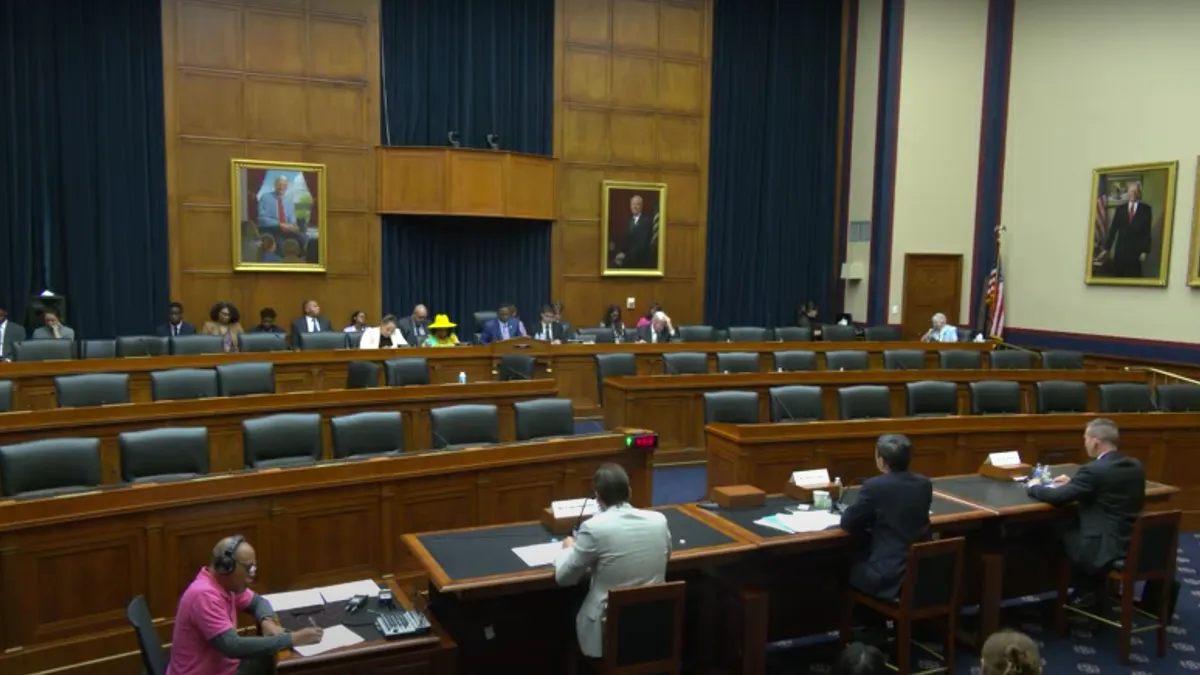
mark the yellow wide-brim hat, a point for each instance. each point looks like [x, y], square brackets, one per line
[441, 321]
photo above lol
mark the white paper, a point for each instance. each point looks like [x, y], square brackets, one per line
[1010, 458]
[817, 477]
[809, 521]
[282, 602]
[343, 592]
[332, 638]
[574, 508]
[773, 523]
[539, 554]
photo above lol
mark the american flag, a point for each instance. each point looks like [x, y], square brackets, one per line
[995, 296]
[1101, 222]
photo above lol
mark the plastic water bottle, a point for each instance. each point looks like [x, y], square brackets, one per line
[462, 378]
[837, 487]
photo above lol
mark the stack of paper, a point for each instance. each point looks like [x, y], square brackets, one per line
[332, 638]
[801, 521]
[343, 592]
[539, 554]
[282, 602]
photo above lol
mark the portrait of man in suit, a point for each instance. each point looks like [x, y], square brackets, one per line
[1131, 225]
[279, 216]
[634, 222]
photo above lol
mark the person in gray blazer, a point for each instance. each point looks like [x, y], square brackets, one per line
[54, 329]
[620, 546]
[10, 334]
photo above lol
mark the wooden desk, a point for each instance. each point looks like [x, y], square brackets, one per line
[69, 565]
[224, 416]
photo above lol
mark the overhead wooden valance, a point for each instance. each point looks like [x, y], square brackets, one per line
[461, 182]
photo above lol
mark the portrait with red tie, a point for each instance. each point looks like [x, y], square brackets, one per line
[1131, 215]
[278, 216]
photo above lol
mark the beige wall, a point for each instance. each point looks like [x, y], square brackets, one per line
[1070, 110]
[862, 145]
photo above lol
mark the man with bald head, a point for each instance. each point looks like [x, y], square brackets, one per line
[205, 640]
[1129, 235]
[412, 328]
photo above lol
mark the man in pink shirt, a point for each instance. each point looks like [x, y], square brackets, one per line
[206, 641]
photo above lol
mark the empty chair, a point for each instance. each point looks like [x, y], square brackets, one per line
[903, 359]
[1061, 396]
[995, 397]
[966, 333]
[685, 363]
[737, 362]
[6, 389]
[308, 342]
[793, 334]
[795, 361]
[99, 349]
[613, 365]
[169, 453]
[543, 418]
[697, 334]
[1178, 397]
[1062, 360]
[850, 359]
[959, 359]
[597, 335]
[367, 434]
[720, 335]
[191, 345]
[1011, 359]
[154, 657]
[838, 333]
[50, 467]
[43, 350]
[731, 407]
[881, 334]
[459, 426]
[931, 398]
[139, 345]
[81, 391]
[362, 375]
[353, 340]
[515, 367]
[796, 403]
[406, 371]
[749, 334]
[286, 439]
[482, 318]
[865, 401]
[244, 379]
[643, 630]
[1125, 397]
[262, 342]
[183, 383]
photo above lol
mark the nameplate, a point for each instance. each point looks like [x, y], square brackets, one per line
[812, 477]
[1010, 458]
[574, 508]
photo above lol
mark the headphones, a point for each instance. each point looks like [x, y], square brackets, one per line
[227, 563]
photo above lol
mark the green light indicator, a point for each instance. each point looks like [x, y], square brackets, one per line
[628, 441]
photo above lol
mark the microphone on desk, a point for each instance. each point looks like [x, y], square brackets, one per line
[790, 416]
[579, 519]
[513, 371]
[839, 505]
[439, 437]
[667, 367]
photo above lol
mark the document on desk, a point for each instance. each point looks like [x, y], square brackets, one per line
[538, 555]
[332, 638]
[801, 521]
[282, 602]
[343, 592]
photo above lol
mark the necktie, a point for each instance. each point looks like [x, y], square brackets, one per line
[1132, 209]
[313, 327]
[175, 329]
[279, 205]
[504, 331]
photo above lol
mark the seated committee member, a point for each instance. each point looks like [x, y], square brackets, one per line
[1009, 652]
[54, 329]
[550, 329]
[860, 659]
[205, 640]
[441, 332]
[311, 322]
[175, 325]
[645, 320]
[358, 323]
[504, 327]
[939, 331]
[612, 321]
[413, 328]
[1110, 491]
[892, 509]
[10, 334]
[658, 330]
[266, 322]
[620, 546]
[225, 322]
[383, 336]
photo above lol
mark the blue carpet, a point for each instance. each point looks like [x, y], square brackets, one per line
[672, 484]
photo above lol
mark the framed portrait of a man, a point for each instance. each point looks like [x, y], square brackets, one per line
[634, 226]
[278, 216]
[1129, 240]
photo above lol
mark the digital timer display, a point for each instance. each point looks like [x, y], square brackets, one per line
[642, 441]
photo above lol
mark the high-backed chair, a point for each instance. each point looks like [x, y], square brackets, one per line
[867, 401]
[515, 367]
[92, 389]
[544, 418]
[183, 383]
[737, 362]
[138, 345]
[643, 630]
[931, 398]
[262, 342]
[354, 340]
[1125, 397]
[720, 335]
[838, 333]
[598, 335]
[308, 342]
[796, 403]
[749, 334]
[154, 657]
[613, 365]
[482, 318]
[959, 359]
[460, 426]
[191, 345]
[685, 363]
[99, 349]
[966, 333]
[283, 440]
[6, 390]
[881, 334]
[1011, 359]
[367, 434]
[731, 407]
[903, 359]
[362, 374]
[793, 334]
[995, 397]
[244, 379]
[849, 359]
[49, 467]
[1062, 360]
[795, 361]
[43, 350]
[1178, 397]
[405, 371]
[168, 453]
[1061, 396]
[697, 334]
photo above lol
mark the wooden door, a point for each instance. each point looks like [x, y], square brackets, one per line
[932, 284]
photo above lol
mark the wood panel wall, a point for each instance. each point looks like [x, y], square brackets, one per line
[631, 103]
[280, 80]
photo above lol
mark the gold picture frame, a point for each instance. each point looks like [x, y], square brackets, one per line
[1194, 253]
[296, 239]
[1127, 249]
[633, 229]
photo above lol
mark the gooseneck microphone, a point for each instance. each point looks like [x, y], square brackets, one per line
[579, 518]
[790, 417]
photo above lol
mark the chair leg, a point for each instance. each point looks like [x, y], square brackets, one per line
[903, 645]
[846, 626]
[948, 651]
[1060, 612]
[1164, 616]
[1126, 621]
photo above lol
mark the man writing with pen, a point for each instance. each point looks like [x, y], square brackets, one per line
[205, 639]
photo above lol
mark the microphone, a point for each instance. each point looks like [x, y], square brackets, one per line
[839, 505]
[513, 371]
[667, 367]
[779, 399]
[438, 437]
[579, 519]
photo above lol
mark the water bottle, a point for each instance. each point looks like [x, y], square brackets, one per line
[837, 487]
[462, 378]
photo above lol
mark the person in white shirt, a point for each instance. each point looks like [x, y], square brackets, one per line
[383, 336]
[939, 331]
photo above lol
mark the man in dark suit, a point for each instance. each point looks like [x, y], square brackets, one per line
[311, 322]
[893, 511]
[641, 239]
[412, 328]
[548, 328]
[10, 334]
[175, 325]
[504, 327]
[658, 330]
[1110, 491]
[1128, 241]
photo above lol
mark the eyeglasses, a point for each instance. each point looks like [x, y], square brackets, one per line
[251, 569]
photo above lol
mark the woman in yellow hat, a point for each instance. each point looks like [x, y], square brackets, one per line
[440, 334]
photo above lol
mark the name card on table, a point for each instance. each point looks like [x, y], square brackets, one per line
[1010, 458]
[574, 508]
[811, 478]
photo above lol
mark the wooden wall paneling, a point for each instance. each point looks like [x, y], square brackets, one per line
[281, 81]
[632, 90]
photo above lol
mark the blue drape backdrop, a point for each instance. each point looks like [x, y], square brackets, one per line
[772, 159]
[82, 161]
[476, 68]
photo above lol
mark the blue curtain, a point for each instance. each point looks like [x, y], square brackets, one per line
[772, 160]
[475, 68]
[82, 161]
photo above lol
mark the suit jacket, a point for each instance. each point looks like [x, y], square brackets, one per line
[1110, 492]
[44, 333]
[1132, 238]
[641, 246]
[13, 333]
[621, 546]
[371, 336]
[301, 326]
[893, 510]
[643, 334]
[491, 331]
[185, 328]
[409, 331]
[558, 331]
